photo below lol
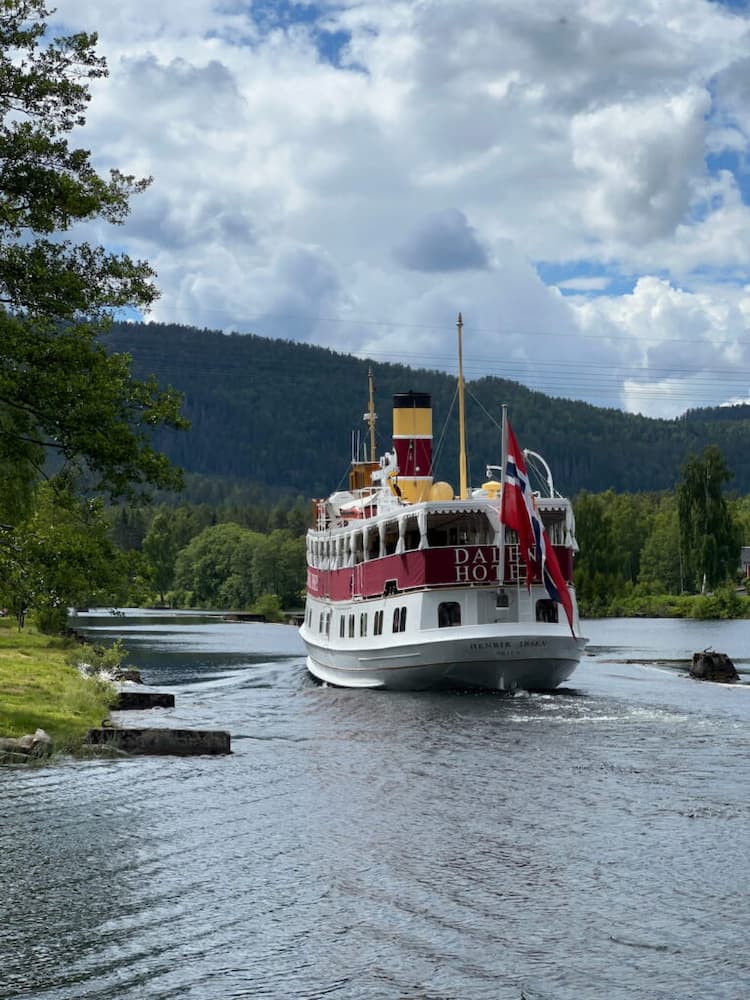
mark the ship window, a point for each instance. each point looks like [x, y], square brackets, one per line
[391, 538]
[391, 587]
[449, 614]
[399, 619]
[328, 622]
[363, 624]
[411, 536]
[359, 552]
[403, 619]
[351, 626]
[502, 600]
[546, 610]
[373, 543]
[320, 622]
[342, 626]
[378, 623]
[465, 528]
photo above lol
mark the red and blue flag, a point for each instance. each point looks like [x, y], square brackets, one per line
[519, 512]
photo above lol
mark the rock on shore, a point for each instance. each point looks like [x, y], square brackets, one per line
[20, 748]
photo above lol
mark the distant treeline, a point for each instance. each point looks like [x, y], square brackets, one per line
[280, 414]
[645, 553]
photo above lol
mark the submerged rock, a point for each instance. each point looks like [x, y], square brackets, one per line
[710, 666]
[128, 674]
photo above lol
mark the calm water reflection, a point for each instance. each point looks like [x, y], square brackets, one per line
[592, 843]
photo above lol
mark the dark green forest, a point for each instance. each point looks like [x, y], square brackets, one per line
[280, 414]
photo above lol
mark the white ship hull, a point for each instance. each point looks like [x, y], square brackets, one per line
[501, 658]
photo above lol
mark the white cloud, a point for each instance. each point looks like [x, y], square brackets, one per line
[357, 175]
[640, 159]
[687, 348]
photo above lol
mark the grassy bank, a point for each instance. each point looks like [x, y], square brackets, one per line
[41, 689]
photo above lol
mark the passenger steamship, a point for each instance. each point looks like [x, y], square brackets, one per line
[410, 586]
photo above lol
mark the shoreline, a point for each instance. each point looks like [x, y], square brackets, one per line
[42, 688]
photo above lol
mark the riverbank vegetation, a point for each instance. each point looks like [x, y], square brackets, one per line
[42, 688]
[670, 554]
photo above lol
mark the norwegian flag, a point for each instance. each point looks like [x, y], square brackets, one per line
[518, 511]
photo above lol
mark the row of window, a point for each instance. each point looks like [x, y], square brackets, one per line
[407, 533]
[348, 623]
[448, 615]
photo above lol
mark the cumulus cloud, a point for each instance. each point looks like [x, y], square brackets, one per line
[687, 348]
[443, 242]
[355, 173]
[640, 159]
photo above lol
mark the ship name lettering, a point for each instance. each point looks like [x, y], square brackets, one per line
[471, 565]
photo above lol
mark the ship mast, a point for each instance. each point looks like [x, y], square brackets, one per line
[503, 463]
[371, 416]
[463, 491]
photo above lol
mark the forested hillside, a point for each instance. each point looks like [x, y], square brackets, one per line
[280, 414]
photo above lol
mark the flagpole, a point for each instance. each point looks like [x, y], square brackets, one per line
[463, 491]
[503, 460]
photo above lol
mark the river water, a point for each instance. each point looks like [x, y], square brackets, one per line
[594, 843]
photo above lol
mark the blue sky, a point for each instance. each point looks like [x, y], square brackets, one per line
[575, 180]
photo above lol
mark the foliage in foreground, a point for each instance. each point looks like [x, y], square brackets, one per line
[41, 689]
[60, 391]
[67, 405]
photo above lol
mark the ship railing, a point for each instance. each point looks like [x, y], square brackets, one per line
[515, 567]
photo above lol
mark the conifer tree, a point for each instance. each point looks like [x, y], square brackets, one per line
[709, 537]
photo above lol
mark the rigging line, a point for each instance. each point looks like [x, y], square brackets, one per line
[484, 409]
[584, 375]
[146, 354]
[699, 386]
[438, 449]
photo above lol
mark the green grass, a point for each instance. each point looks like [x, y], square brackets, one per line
[39, 689]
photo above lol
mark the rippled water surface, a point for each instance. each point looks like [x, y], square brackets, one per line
[593, 843]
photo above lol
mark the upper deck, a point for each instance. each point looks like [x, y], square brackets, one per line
[362, 550]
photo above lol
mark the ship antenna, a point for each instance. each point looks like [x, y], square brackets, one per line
[463, 490]
[371, 416]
